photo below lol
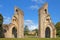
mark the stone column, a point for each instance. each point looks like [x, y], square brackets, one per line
[20, 32]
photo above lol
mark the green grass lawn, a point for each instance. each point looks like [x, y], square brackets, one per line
[29, 38]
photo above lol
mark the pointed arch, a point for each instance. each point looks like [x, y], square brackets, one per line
[47, 32]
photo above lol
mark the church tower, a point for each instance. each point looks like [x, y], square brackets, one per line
[46, 27]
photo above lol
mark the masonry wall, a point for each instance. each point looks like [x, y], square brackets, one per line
[44, 22]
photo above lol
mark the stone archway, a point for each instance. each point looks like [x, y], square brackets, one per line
[47, 32]
[14, 32]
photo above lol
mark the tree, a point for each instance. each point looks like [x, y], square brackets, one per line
[36, 31]
[26, 30]
[57, 25]
[1, 28]
[58, 28]
[1, 19]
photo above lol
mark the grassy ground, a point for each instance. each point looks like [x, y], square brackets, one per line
[29, 38]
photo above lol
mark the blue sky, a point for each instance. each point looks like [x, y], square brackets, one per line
[30, 9]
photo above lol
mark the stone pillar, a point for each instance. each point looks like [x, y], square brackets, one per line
[44, 21]
[20, 28]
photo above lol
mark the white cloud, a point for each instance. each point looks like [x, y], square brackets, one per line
[31, 25]
[42, 1]
[7, 20]
[34, 7]
[28, 22]
[39, 1]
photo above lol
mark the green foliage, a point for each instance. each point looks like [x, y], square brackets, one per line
[26, 30]
[58, 28]
[58, 33]
[1, 19]
[1, 28]
[36, 31]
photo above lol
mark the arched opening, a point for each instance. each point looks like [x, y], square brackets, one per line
[14, 32]
[47, 32]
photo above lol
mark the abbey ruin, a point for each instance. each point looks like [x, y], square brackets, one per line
[46, 27]
[16, 28]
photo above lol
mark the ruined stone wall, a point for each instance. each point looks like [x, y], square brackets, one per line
[45, 21]
[18, 23]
